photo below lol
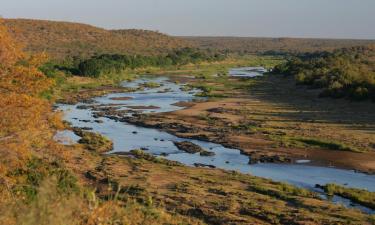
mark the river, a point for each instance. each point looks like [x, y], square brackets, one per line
[127, 137]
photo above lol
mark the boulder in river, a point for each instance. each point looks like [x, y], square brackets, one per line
[192, 148]
[94, 141]
[269, 159]
[204, 165]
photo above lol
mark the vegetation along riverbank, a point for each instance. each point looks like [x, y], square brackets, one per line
[45, 182]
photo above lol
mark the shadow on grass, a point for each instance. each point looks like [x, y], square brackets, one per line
[301, 104]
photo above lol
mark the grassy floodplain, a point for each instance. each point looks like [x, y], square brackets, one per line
[44, 182]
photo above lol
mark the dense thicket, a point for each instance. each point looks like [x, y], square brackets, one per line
[106, 63]
[348, 72]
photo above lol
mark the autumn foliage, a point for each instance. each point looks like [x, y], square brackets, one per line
[24, 118]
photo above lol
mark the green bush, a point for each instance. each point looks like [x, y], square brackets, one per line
[327, 144]
[104, 64]
[360, 196]
[342, 73]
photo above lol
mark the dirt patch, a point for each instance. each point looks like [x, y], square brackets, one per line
[121, 98]
[143, 107]
[184, 104]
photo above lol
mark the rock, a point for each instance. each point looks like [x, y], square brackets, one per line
[192, 148]
[204, 165]
[135, 132]
[207, 153]
[253, 159]
[86, 128]
[83, 107]
[94, 141]
[188, 147]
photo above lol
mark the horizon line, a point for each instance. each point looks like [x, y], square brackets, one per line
[192, 36]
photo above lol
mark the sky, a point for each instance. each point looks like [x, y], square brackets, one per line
[254, 18]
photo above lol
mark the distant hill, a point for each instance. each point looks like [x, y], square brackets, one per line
[61, 39]
[275, 45]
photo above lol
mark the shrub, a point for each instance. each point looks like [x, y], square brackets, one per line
[342, 73]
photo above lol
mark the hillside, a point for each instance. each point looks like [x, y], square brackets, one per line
[61, 39]
[273, 45]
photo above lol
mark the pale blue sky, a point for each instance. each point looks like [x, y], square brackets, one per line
[265, 18]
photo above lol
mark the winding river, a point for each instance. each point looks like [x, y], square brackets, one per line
[127, 137]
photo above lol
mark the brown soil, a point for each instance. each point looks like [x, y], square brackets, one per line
[212, 196]
[279, 113]
[143, 107]
[121, 98]
[87, 94]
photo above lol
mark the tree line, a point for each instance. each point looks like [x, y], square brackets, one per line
[347, 72]
[116, 63]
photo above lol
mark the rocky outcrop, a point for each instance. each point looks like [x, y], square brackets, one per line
[192, 148]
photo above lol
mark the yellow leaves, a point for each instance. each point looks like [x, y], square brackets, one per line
[38, 59]
[23, 125]
[27, 122]
[24, 80]
[20, 112]
[10, 52]
[24, 118]
[19, 73]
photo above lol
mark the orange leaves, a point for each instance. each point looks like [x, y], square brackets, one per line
[19, 73]
[20, 112]
[24, 118]
[24, 80]
[22, 126]
[10, 52]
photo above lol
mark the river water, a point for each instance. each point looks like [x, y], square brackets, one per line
[127, 137]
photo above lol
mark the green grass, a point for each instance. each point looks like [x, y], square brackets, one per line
[36, 171]
[203, 71]
[94, 141]
[362, 197]
[139, 154]
[333, 145]
[314, 142]
[151, 85]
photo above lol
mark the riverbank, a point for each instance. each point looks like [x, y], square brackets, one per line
[207, 196]
[77, 88]
[276, 132]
